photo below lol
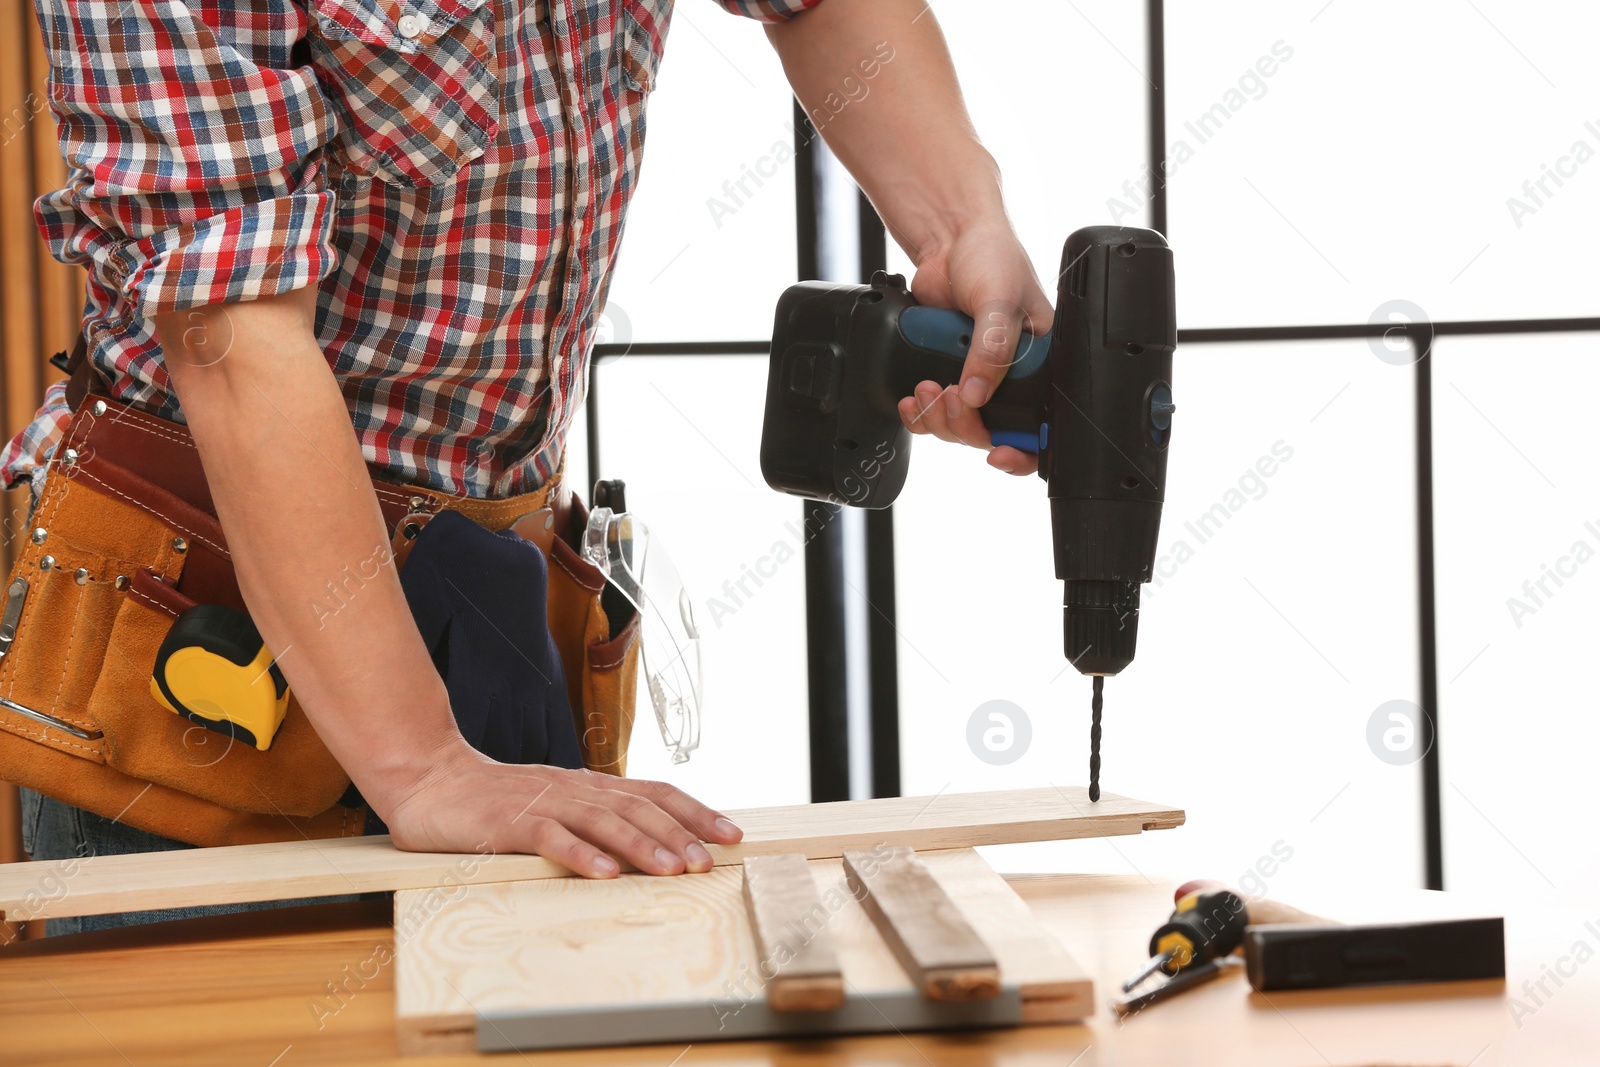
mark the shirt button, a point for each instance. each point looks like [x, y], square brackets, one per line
[410, 27]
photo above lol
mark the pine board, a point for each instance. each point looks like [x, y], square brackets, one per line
[296, 869]
[511, 964]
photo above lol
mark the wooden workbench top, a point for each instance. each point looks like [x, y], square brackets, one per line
[316, 986]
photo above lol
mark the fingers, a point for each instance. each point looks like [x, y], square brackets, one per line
[996, 328]
[927, 411]
[707, 824]
[924, 413]
[652, 825]
[660, 825]
[1041, 316]
[1013, 460]
[548, 838]
[596, 822]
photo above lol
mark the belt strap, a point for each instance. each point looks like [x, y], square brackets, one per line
[150, 452]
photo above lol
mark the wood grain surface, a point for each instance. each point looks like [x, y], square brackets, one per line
[788, 923]
[308, 988]
[295, 869]
[525, 948]
[942, 954]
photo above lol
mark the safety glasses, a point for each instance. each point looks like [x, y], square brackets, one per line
[634, 562]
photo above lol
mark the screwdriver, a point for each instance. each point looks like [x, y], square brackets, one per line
[1203, 927]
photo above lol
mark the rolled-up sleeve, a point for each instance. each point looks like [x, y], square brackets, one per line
[768, 10]
[195, 172]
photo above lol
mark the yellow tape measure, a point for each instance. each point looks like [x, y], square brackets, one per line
[214, 670]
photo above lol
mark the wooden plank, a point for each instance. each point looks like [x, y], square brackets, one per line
[1054, 988]
[933, 941]
[470, 959]
[789, 924]
[294, 869]
[11, 852]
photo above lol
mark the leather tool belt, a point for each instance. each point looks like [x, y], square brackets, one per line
[124, 538]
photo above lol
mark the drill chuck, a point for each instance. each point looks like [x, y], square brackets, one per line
[1101, 624]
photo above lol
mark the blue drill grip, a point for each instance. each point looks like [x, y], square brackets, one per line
[942, 337]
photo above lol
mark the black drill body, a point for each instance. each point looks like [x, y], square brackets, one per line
[1094, 401]
[1111, 422]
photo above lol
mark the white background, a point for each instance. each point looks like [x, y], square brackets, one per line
[1374, 164]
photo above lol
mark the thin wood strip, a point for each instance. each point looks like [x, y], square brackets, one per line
[19, 247]
[789, 923]
[933, 941]
[59, 307]
[19, 238]
[61, 286]
[294, 869]
[1054, 987]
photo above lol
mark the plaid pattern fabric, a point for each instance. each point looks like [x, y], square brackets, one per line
[452, 174]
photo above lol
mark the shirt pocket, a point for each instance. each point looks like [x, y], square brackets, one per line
[415, 84]
[641, 35]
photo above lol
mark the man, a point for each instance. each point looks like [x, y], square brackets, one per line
[380, 232]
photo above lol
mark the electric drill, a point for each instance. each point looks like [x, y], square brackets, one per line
[1093, 401]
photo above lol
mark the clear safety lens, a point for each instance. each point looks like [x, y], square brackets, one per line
[634, 562]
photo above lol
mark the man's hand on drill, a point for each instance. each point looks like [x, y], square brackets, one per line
[909, 142]
[985, 273]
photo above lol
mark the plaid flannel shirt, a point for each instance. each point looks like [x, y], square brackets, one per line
[452, 174]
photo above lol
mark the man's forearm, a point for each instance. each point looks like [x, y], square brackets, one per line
[878, 75]
[877, 78]
[297, 506]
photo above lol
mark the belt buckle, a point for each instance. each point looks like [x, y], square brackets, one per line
[422, 510]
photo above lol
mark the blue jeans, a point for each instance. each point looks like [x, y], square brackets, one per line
[52, 830]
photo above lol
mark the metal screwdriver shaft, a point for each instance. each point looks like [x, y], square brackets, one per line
[1094, 736]
[1156, 963]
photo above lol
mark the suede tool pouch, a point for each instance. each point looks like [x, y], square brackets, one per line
[92, 595]
[123, 540]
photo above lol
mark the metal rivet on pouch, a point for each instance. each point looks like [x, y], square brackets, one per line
[82, 575]
[46, 562]
[121, 582]
[417, 503]
[70, 457]
[99, 407]
[179, 545]
[39, 535]
[549, 520]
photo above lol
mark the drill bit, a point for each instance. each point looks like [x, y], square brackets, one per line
[1096, 706]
